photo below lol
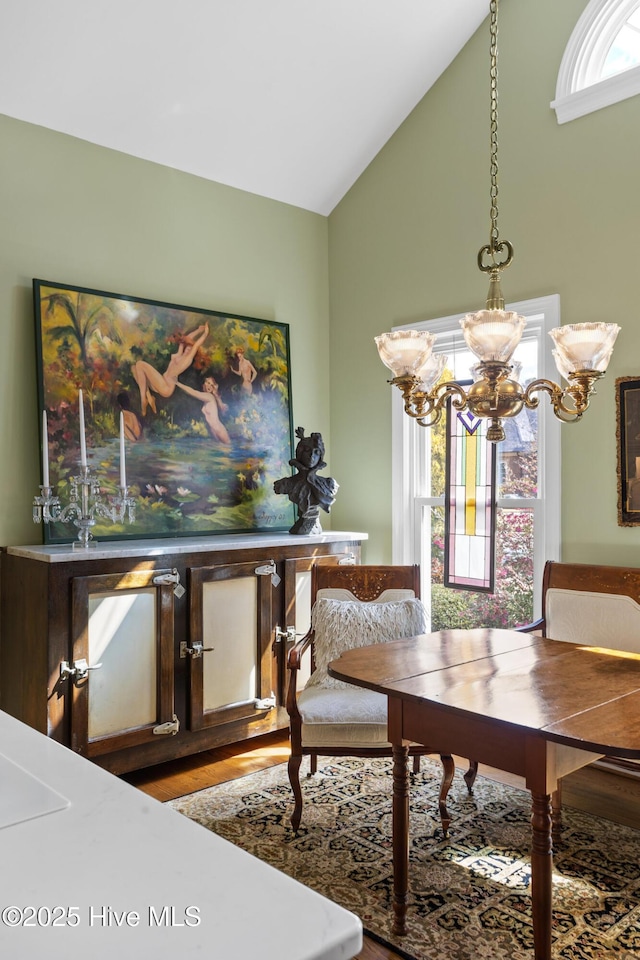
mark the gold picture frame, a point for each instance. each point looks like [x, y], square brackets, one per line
[628, 450]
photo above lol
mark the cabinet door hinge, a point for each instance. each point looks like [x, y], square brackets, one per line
[170, 728]
[167, 578]
[269, 570]
[267, 704]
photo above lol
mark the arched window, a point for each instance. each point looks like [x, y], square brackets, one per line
[601, 64]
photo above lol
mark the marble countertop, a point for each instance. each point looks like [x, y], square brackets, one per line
[114, 549]
[125, 877]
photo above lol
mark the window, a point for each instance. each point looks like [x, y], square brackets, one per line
[624, 52]
[528, 488]
[601, 64]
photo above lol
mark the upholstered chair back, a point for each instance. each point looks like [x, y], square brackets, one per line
[592, 605]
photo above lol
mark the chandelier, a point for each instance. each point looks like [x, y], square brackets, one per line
[582, 350]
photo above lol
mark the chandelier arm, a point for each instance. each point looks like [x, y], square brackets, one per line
[433, 416]
[578, 391]
[436, 402]
[413, 397]
[418, 406]
[426, 407]
[451, 389]
[540, 386]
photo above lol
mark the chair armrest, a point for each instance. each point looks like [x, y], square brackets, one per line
[530, 627]
[294, 657]
[294, 662]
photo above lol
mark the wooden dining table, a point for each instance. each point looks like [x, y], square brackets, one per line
[524, 704]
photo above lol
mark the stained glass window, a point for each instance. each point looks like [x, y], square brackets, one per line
[470, 504]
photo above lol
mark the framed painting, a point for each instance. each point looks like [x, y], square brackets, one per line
[628, 450]
[205, 399]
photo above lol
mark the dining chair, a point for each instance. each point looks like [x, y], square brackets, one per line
[595, 605]
[353, 606]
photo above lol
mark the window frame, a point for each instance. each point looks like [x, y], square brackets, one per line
[579, 89]
[410, 445]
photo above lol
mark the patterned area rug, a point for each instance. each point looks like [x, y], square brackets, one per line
[469, 895]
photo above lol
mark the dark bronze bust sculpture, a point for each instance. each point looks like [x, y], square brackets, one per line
[306, 489]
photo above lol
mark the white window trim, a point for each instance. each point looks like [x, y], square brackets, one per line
[407, 447]
[579, 90]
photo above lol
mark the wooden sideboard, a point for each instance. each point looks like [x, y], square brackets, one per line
[137, 652]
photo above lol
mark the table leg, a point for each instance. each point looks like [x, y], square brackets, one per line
[556, 815]
[541, 874]
[400, 837]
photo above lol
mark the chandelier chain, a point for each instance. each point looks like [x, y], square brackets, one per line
[494, 235]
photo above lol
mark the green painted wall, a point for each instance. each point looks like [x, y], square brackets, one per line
[400, 247]
[80, 214]
[403, 244]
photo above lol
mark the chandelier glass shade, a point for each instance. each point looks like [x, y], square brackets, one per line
[582, 350]
[405, 352]
[492, 334]
[584, 346]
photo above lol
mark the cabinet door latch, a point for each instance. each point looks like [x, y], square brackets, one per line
[167, 578]
[289, 635]
[195, 651]
[78, 670]
[170, 728]
[348, 561]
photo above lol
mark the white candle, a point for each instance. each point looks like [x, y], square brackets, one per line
[83, 442]
[45, 450]
[123, 472]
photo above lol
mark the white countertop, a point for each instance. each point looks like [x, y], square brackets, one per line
[114, 549]
[96, 852]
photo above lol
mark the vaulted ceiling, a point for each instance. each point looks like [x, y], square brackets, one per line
[288, 99]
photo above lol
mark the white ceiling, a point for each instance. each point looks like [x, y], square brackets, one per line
[288, 99]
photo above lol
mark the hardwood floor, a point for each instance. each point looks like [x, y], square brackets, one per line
[175, 779]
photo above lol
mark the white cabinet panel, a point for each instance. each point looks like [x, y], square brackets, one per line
[122, 637]
[229, 624]
[303, 619]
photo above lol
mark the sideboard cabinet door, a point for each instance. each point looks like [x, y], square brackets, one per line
[231, 643]
[122, 673]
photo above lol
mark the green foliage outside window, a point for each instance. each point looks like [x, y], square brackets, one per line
[512, 603]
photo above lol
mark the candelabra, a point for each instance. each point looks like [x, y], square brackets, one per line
[86, 504]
